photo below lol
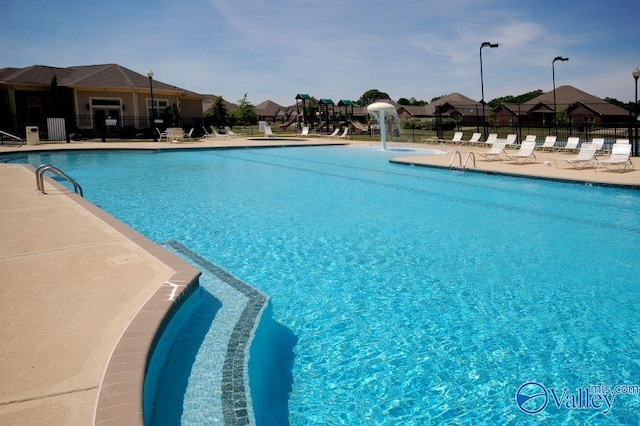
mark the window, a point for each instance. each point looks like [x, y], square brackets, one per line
[159, 106]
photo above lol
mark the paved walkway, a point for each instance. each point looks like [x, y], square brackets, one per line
[544, 167]
[73, 280]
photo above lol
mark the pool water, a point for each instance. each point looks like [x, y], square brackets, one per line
[415, 295]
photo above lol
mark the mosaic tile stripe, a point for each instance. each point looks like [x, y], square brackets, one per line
[236, 395]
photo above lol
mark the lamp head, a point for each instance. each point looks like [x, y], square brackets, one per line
[636, 73]
[150, 73]
[560, 58]
[488, 44]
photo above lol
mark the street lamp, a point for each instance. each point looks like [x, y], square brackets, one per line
[553, 71]
[484, 124]
[636, 74]
[153, 107]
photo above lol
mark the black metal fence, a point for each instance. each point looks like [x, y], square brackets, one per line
[126, 128]
[96, 127]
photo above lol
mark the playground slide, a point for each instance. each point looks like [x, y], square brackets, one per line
[359, 126]
[288, 123]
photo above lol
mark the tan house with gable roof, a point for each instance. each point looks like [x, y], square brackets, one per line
[92, 98]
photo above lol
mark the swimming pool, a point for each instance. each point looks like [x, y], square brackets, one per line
[413, 294]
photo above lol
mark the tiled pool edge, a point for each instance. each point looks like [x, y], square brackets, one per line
[120, 395]
[120, 399]
[237, 405]
[121, 390]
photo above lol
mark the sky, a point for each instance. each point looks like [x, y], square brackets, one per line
[337, 49]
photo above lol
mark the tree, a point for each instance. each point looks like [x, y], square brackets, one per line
[617, 102]
[246, 113]
[371, 96]
[413, 101]
[510, 99]
[55, 98]
[218, 112]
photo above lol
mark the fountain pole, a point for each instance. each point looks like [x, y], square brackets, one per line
[383, 131]
[377, 109]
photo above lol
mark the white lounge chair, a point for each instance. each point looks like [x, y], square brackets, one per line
[572, 144]
[586, 156]
[162, 135]
[530, 138]
[622, 141]
[524, 155]
[620, 153]
[230, 132]
[188, 135]
[344, 133]
[457, 138]
[335, 133]
[475, 138]
[215, 133]
[268, 132]
[549, 142]
[496, 152]
[599, 143]
[511, 140]
[491, 138]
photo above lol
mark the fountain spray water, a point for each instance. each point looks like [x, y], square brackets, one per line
[378, 110]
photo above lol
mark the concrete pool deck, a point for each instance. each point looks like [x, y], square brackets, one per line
[77, 286]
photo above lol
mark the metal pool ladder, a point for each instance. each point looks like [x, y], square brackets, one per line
[50, 167]
[470, 154]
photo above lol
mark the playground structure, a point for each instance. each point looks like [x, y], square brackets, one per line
[324, 117]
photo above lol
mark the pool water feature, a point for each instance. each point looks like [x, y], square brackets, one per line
[378, 110]
[408, 295]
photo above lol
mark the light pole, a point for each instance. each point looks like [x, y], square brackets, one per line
[553, 73]
[636, 74]
[153, 107]
[484, 119]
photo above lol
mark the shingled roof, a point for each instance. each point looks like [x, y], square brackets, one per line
[453, 99]
[84, 76]
[268, 109]
[567, 96]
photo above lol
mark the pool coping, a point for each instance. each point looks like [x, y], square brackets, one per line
[400, 160]
[120, 396]
[121, 393]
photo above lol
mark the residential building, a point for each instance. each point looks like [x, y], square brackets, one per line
[578, 107]
[105, 100]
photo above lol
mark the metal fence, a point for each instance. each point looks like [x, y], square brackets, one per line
[95, 127]
[126, 128]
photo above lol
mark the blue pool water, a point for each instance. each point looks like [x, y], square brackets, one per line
[415, 295]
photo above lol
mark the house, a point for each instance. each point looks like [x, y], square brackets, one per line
[270, 111]
[108, 100]
[580, 107]
[459, 107]
[209, 100]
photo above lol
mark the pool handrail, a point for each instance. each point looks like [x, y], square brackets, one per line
[50, 167]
